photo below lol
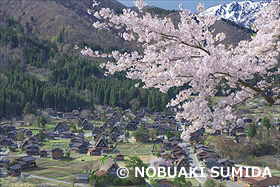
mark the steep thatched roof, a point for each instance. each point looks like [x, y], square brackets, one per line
[110, 163]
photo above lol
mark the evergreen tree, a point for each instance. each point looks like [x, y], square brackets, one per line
[168, 134]
[74, 129]
[41, 136]
[158, 101]
[131, 164]
[113, 101]
[165, 101]
[60, 38]
[106, 97]
[181, 182]
[266, 123]
[252, 130]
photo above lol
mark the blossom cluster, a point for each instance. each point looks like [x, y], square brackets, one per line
[189, 53]
[161, 162]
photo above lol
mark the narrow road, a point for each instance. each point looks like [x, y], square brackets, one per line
[53, 180]
[195, 163]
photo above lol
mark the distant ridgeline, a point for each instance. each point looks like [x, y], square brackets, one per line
[34, 73]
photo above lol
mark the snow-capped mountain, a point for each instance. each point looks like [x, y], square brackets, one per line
[243, 13]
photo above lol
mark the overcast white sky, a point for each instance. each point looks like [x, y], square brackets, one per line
[173, 4]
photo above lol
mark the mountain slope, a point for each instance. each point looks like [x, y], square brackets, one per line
[244, 13]
[67, 23]
[33, 72]
[50, 19]
[35, 69]
[234, 32]
[20, 47]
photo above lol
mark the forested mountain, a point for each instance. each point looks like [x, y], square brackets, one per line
[73, 83]
[41, 68]
[64, 21]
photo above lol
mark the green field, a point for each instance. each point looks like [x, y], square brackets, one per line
[28, 182]
[50, 126]
[61, 169]
[51, 144]
[134, 148]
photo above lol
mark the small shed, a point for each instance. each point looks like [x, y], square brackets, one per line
[57, 153]
[83, 178]
[43, 153]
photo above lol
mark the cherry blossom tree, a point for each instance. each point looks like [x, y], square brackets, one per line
[189, 53]
[161, 162]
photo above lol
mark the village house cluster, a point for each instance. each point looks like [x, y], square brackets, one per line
[102, 139]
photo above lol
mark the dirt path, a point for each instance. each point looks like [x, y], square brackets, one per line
[53, 180]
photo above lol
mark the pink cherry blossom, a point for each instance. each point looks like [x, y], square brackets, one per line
[188, 54]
